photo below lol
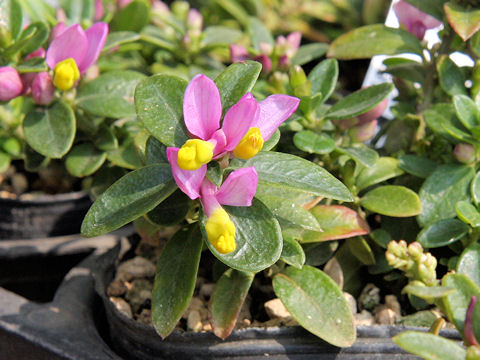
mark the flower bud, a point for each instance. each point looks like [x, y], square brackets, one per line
[473, 353]
[266, 63]
[464, 153]
[363, 132]
[265, 48]
[43, 89]
[180, 9]
[99, 10]
[238, 53]
[415, 250]
[299, 82]
[373, 114]
[10, 83]
[283, 63]
[194, 19]
[415, 21]
[40, 52]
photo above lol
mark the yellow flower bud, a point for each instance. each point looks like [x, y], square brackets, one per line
[66, 73]
[194, 153]
[250, 144]
[221, 231]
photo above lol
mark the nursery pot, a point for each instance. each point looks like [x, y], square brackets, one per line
[43, 216]
[134, 340]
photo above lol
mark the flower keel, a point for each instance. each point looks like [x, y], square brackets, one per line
[194, 153]
[250, 144]
[221, 231]
[66, 74]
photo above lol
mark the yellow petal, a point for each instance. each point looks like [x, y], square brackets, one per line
[194, 153]
[66, 74]
[250, 144]
[221, 231]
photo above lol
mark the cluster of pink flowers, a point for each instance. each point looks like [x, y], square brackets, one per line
[71, 52]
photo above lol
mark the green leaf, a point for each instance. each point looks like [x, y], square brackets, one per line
[235, 9]
[440, 114]
[451, 77]
[258, 33]
[475, 189]
[456, 304]
[360, 153]
[155, 152]
[324, 78]
[11, 16]
[50, 131]
[5, 160]
[110, 94]
[292, 173]
[392, 200]
[236, 80]
[292, 251]
[34, 64]
[469, 263]
[174, 284]
[133, 195]
[447, 185]
[360, 101]
[311, 142]
[214, 36]
[417, 165]
[84, 160]
[381, 237]
[125, 155]
[227, 300]
[384, 168]
[272, 142]
[172, 210]
[468, 213]
[317, 254]
[118, 38]
[337, 222]
[361, 250]
[105, 138]
[317, 303]
[33, 37]
[133, 17]
[309, 52]
[465, 21]
[371, 40]
[427, 292]
[215, 173]
[441, 233]
[79, 10]
[39, 11]
[257, 235]
[467, 111]
[429, 346]
[159, 104]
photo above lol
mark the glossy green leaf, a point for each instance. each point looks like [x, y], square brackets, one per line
[292, 251]
[317, 303]
[110, 94]
[11, 16]
[417, 165]
[317, 254]
[361, 250]
[475, 189]
[258, 237]
[324, 78]
[133, 195]
[79, 10]
[50, 131]
[442, 232]
[292, 173]
[125, 155]
[427, 292]
[337, 222]
[175, 278]
[159, 104]
[440, 114]
[469, 263]
[105, 138]
[467, 111]
[39, 11]
[227, 300]
[468, 213]
[118, 38]
[133, 17]
[311, 142]
[34, 64]
[360, 153]
[103, 178]
[236, 80]
[371, 40]
[446, 186]
[381, 237]
[309, 52]
[155, 151]
[272, 142]
[84, 160]
[360, 101]
[384, 168]
[465, 21]
[392, 200]
[259, 33]
[456, 304]
[429, 346]
[31, 38]
[172, 210]
[214, 36]
[451, 77]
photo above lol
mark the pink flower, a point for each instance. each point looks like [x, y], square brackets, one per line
[415, 21]
[238, 53]
[10, 83]
[245, 127]
[43, 89]
[238, 189]
[73, 51]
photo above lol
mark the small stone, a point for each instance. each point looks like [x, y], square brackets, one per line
[198, 305]
[121, 306]
[364, 318]
[194, 321]
[351, 302]
[140, 295]
[145, 317]
[392, 303]
[116, 288]
[206, 290]
[136, 268]
[19, 183]
[385, 316]
[207, 326]
[276, 310]
[369, 298]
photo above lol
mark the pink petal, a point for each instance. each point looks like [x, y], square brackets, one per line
[189, 181]
[274, 110]
[266, 63]
[238, 53]
[57, 30]
[239, 187]
[293, 39]
[208, 199]
[414, 20]
[238, 120]
[220, 141]
[202, 107]
[96, 36]
[40, 52]
[72, 43]
[99, 10]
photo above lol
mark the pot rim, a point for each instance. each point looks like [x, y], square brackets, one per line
[47, 198]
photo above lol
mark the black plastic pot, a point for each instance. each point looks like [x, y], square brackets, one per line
[133, 340]
[43, 216]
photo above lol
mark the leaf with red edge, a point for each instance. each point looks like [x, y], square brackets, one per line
[465, 22]
[337, 222]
